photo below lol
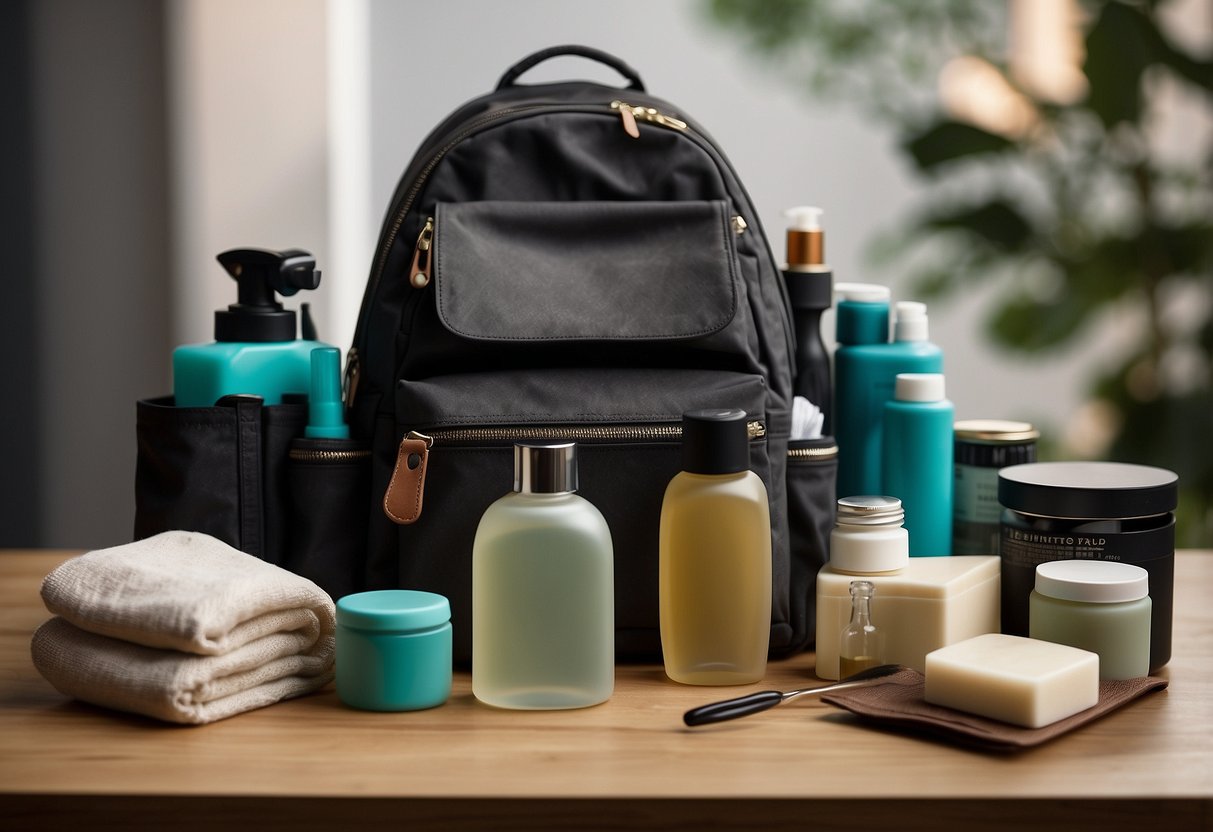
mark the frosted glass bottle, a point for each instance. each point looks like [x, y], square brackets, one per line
[543, 615]
[714, 571]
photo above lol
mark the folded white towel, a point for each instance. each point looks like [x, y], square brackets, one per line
[176, 686]
[240, 633]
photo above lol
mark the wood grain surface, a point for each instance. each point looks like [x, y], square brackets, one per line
[626, 764]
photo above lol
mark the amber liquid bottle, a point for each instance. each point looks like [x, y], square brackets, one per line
[715, 557]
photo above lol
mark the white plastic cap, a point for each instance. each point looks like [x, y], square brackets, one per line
[919, 387]
[1092, 581]
[804, 218]
[862, 292]
[911, 323]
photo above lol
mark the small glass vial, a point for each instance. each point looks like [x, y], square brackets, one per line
[543, 599]
[1095, 605]
[393, 650]
[861, 644]
[869, 538]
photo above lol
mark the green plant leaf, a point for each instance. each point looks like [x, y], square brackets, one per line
[1120, 46]
[947, 141]
[1031, 326]
[997, 222]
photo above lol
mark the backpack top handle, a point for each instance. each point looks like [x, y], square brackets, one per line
[511, 74]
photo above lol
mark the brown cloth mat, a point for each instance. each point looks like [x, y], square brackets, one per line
[898, 701]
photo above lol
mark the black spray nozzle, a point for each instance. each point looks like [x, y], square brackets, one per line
[259, 273]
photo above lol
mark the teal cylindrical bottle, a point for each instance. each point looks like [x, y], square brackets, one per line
[861, 324]
[865, 370]
[917, 460]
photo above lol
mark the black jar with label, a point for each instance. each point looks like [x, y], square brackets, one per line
[982, 447]
[1088, 511]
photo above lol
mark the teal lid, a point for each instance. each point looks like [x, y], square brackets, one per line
[862, 316]
[393, 610]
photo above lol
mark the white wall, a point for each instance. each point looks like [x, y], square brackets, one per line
[249, 138]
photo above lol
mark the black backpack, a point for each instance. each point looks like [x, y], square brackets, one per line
[573, 260]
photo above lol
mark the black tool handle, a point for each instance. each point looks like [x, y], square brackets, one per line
[733, 708]
[511, 74]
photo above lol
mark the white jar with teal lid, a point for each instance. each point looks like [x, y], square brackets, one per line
[1095, 605]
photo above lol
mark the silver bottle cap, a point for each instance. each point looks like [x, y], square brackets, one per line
[545, 469]
[870, 511]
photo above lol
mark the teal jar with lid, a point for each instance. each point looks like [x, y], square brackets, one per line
[393, 650]
[1095, 605]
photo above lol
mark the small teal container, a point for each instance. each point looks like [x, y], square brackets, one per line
[393, 650]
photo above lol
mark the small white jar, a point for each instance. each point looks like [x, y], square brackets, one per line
[869, 538]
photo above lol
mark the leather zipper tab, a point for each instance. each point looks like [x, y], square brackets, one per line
[402, 501]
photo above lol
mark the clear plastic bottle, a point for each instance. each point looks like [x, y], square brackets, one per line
[715, 557]
[861, 643]
[543, 616]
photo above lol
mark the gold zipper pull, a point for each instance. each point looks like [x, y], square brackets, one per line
[419, 272]
[629, 118]
[651, 115]
[402, 501]
[739, 224]
[631, 114]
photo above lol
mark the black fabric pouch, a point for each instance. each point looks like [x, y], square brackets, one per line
[329, 487]
[812, 472]
[217, 470]
[241, 472]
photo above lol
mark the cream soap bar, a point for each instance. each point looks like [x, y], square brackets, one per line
[1014, 679]
[931, 603]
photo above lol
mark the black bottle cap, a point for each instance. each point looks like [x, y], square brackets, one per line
[715, 442]
[259, 273]
[810, 288]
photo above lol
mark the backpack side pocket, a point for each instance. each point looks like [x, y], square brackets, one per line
[812, 468]
[216, 470]
[329, 486]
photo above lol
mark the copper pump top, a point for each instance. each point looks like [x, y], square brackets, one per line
[806, 241]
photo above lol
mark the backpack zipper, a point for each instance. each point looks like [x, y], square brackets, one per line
[327, 455]
[406, 488]
[755, 428]
[824, 452]
[629, 113]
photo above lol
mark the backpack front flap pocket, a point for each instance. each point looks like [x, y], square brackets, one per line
[519, 284]
[627, 424]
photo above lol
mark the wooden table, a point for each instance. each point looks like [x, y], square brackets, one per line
[627, 764]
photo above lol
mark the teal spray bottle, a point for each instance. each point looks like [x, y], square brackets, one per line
[255, 351]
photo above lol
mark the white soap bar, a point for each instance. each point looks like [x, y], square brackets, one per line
[1018, 680]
